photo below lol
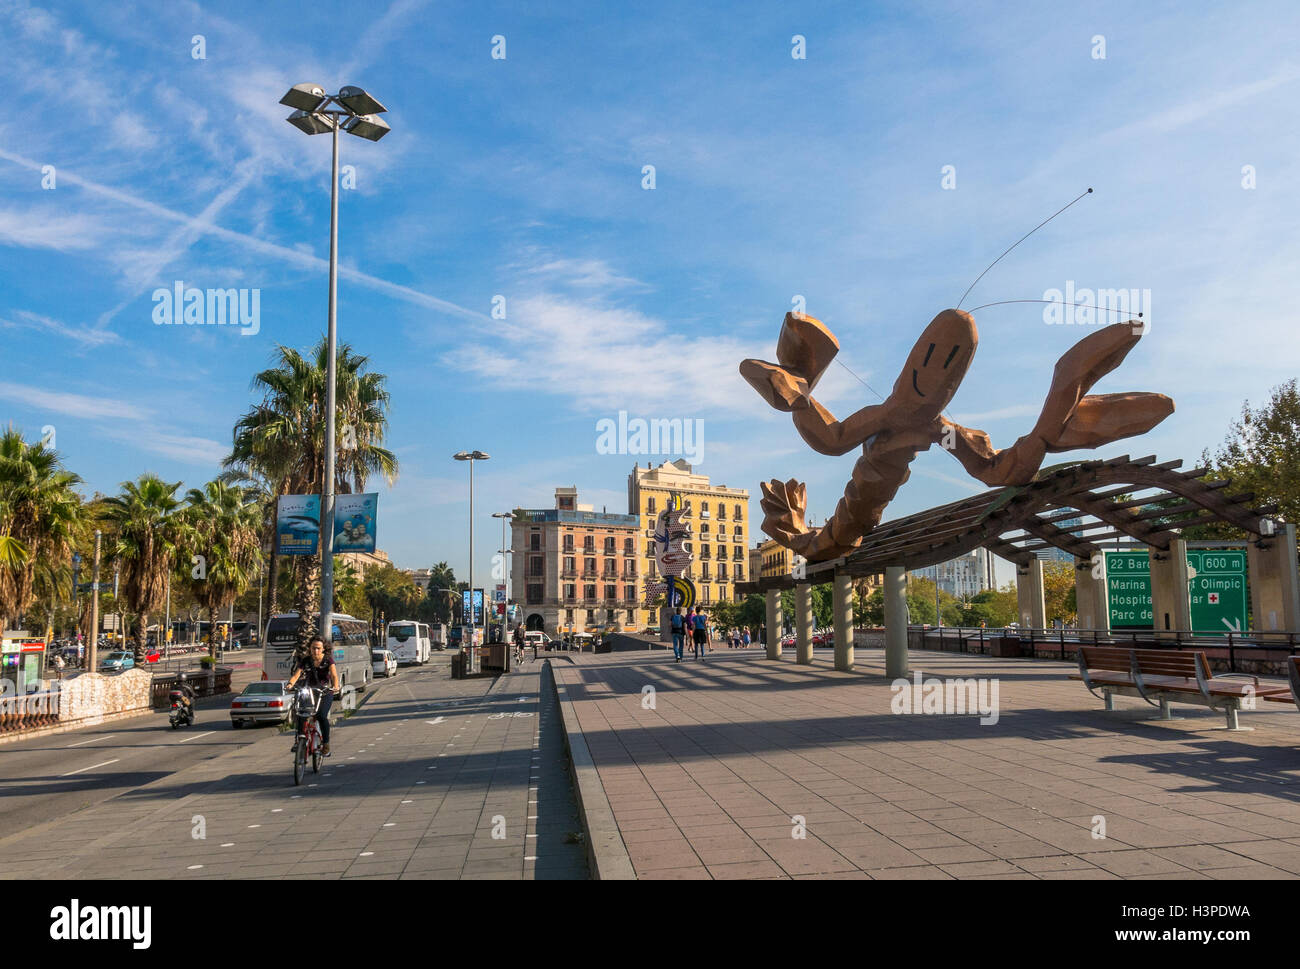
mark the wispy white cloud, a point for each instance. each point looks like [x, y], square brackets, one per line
[1015, 410]
[584, 274]
[289, 255]
[72, 405]
[41, 229]
[195, 451]
[608, 358]
[88, 337]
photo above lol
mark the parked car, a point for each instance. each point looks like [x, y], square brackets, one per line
[264, 701]
[788, 641]
[383, 662]
[537, 638]
[116, 662]
[152, 655]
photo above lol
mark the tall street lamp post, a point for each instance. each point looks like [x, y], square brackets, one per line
[471, 457]
[505, 550]
[315, 112]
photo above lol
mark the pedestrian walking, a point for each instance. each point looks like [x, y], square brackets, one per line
[745, 637]
[701, 635]
[678, 626]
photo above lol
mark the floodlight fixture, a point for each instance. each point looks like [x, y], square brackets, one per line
[368, 126]
[312, 124]
[358, 101]
[305, 97]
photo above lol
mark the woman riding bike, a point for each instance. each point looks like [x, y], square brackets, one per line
[320, 672]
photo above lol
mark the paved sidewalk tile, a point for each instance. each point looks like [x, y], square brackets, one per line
[749, 768]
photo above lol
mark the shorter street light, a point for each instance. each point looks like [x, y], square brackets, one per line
[471, 457]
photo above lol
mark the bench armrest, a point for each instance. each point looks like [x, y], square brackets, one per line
[1228, 676]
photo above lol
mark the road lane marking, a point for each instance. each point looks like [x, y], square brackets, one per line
[195, 737]
[92, 740]
[91, 767]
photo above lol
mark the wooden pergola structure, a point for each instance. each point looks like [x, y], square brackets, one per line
[1017, 522]
[1073, 507]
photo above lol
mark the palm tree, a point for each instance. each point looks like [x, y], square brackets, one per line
[223, 523]
[442, 581]
[143, 517]
[41, 518]
[282, 440]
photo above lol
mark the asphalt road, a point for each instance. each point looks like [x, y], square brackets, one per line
[48, 777]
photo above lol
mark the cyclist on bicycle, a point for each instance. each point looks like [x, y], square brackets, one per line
[321, 673]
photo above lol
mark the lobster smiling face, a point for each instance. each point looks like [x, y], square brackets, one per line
[937, 364]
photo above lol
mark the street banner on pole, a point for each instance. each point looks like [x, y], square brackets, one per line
[354, 522]
[297, 528]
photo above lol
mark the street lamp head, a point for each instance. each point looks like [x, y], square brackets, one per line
[312, 124]
[479, 456]
[462, 456]
[359, 102]
[304, 97]
[368, 126]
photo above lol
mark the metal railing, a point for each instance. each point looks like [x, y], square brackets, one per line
[1062, 644]
[29, 711]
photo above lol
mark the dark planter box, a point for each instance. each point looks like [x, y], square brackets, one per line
[1005, 648]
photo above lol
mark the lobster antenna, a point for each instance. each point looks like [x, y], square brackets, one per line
[1100, 309]
[1016, 243]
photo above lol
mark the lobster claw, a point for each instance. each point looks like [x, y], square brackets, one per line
[804, 350]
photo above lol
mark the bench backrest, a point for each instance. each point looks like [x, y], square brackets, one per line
[1110, 658]
[1170, 662]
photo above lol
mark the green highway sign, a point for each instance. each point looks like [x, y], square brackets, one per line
[1128, 590]
[1216, 589]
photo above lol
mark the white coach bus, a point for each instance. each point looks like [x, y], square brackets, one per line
[350, 647]
[409, 642]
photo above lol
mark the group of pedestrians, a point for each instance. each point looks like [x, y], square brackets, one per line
[695, 624]
[739, 638]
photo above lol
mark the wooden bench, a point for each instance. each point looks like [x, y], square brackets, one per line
[1160, 676]
[1293, 674]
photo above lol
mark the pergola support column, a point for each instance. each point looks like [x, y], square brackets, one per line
[1090, 593]
[842, 608]
[895, 622]
[1030, 603]
[1171, 606]
[774, 623]
[803, 628]
[1274, 583]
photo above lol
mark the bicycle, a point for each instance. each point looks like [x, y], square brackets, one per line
[308, 741]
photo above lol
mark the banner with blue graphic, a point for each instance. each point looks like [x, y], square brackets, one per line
[297, 525]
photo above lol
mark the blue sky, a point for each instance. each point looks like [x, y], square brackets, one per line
[774, 177]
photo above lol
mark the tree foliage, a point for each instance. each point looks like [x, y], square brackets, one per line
[1259, 455]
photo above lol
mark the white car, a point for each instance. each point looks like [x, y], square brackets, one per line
[535, 638]
[383, 662]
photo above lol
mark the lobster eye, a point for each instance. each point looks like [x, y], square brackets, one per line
[927, 355]
[950, 356]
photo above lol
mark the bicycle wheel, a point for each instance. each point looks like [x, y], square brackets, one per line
[299, 759]
[315, 748]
